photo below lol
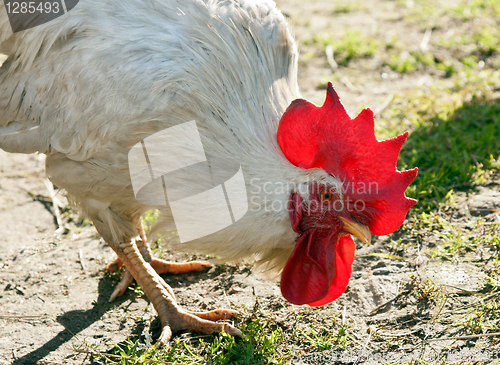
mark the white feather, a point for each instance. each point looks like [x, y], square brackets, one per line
[110, 73]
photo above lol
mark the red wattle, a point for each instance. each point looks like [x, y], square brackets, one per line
[344, 257]
[318, 269]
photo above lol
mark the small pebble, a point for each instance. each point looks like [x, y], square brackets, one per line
[234, 290]
[385, 270]
[356, 275]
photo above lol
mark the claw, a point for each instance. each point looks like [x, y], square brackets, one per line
[125, 282]
[115, 265]
[183, 320]
[233, 331]
[166, 335]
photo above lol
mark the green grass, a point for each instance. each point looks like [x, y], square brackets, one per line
[264, 342]
[319, 339]
[458, 241]
[429, 14]
[453, 151]
[260, 345]
[483, 316]
[347, 7]
[483, 41]
[150, 218]
[482, 319]
[424, 291]
[467, 10]
[352, 45]
[409, 62]
[487, 39]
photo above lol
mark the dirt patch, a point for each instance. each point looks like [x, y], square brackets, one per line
[54, 291]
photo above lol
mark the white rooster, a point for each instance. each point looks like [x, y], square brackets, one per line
[88, 86]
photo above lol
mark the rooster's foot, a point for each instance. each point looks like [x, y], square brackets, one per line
[173, 318]
[203, 322]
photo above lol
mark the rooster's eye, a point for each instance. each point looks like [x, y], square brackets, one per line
[325, 195]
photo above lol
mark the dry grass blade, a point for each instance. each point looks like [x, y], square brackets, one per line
[466, 291]
[425, 40]
[13, 316]
[52, 194]
[80, 257]
[407, 333]
[384, 105]
[329, 56]
[385, 256]
[464, 337]
[383, 305]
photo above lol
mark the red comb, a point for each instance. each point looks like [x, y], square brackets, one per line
[327, 138]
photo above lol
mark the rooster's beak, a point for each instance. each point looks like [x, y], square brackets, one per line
[359, 230]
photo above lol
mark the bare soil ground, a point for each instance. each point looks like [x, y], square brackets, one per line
[54, 291]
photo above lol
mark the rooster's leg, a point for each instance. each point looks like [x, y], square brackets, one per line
[173, 318]
[160, 266]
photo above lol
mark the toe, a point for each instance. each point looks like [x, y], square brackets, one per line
[166, 267]
[166, 335]
[125, 282]
[200, 265]
[216, 315]
[231, 330]
[185, 320]
[115, 265]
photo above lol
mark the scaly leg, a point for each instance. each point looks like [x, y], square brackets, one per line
[173, 318]
[135, 255]
[160, 266]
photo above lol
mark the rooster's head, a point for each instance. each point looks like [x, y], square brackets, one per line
[364, 194]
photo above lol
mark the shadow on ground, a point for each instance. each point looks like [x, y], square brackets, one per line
[453, 153]
[74, 322]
